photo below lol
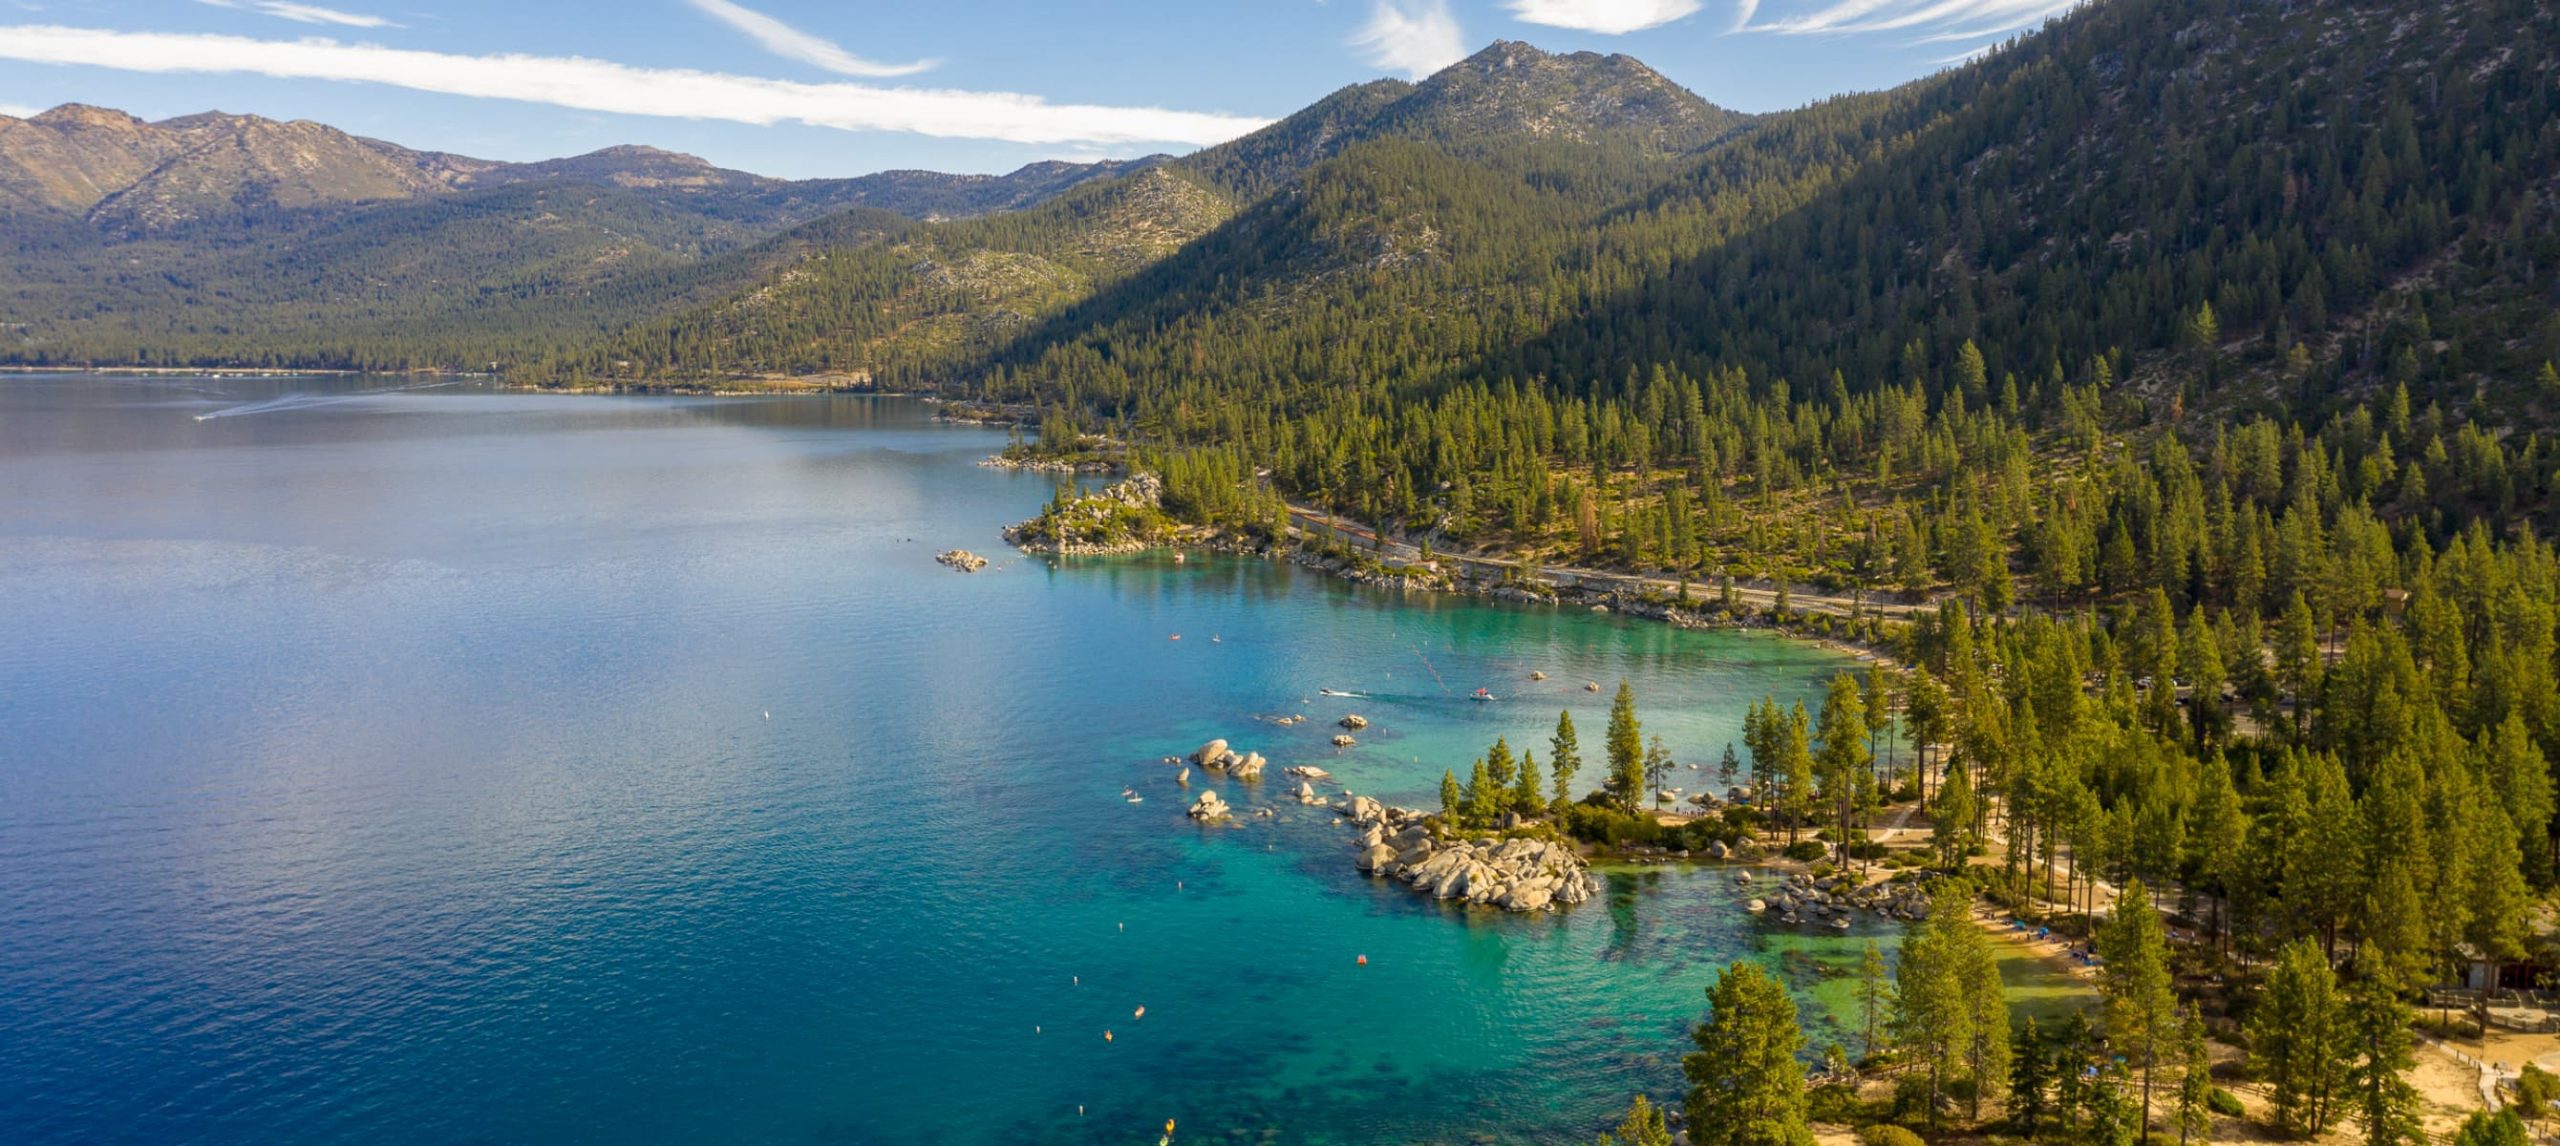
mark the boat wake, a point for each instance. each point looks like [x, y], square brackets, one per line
[286, 402]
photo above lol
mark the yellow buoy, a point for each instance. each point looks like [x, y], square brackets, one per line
[1142, 1013]
[1106, 1036]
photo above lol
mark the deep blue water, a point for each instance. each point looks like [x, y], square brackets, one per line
[455, 765]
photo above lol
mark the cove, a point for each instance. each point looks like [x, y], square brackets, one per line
[454, 764]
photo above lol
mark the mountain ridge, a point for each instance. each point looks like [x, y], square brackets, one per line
[133, 175]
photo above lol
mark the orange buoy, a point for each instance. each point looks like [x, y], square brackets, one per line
[1364, 960]
[1106, 1036]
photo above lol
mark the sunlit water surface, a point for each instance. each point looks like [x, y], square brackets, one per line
[457, 765]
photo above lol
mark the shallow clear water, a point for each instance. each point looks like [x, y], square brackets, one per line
[460, 765]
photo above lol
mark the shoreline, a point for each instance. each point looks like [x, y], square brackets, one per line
[1305, 550]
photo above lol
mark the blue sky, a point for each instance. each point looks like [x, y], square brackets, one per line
[804, 88]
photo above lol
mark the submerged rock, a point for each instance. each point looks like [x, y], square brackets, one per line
[1210, 808]
[1355, 722]
[962, 560]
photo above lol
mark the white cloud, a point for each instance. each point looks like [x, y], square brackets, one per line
[303, 13]
[1983, 17]
[604, 86]
[793, 44]
[1608, 17]
[18, 110]
[1416, 37]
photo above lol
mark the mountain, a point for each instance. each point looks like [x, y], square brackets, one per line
[1561, 133]
[219, 238]
[2358, 206]
[127, 175]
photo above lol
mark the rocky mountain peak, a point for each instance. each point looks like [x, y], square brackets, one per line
[1516, 88]
[74, 115]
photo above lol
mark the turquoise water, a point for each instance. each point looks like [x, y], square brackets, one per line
[459, 765]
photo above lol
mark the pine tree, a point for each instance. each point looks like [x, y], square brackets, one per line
[1728, 769]
[1844, 763]
[2378, 1028]
[1746, 1087]
[1933, 1018]
[1875, 998]
[1626, 750]
[1564, 756]
[1498, 764]
[1796, 749]
[2134, 979]
[1951, 834]
[1643, 1126]
[1925, 719]
[2030, 1079]
[2297, 656]
[2195, 1082]
[1452, 803]
[1525, 797]
[1657, 770]
[2297, 1041]
[1483, 795]
[1986, 999]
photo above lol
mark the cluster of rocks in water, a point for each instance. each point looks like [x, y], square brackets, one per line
[1040, 465]
[1516, 874]
[1836, 900]
[961, 559]
[1217, 757]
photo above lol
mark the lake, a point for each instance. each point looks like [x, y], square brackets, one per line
[447, 764]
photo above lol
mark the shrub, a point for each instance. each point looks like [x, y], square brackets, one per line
[1887, 1135]
[1609, 826]
[1807, 851]
[1832, 1102]
[2222, 1102]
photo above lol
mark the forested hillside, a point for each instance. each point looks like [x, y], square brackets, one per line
[1376, 176]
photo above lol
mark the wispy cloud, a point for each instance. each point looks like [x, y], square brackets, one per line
[793, 44]
[604, 86]
[303, 13]
[1982, 17]
[1416, 37]
[1608, 17]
